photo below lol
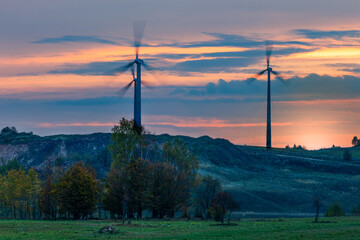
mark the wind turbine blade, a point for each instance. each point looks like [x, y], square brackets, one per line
[123, 90]
[148, 67]
[253, 78]
[260, 73]
[279, 77]
[147, 84]
[122, 69]
[133, 71]
[138, 27]
[269, 48]
[250, 80]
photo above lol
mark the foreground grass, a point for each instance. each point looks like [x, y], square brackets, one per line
[332, 228]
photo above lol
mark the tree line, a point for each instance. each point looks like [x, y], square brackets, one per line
[163, 187]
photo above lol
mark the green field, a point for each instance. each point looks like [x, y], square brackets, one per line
[329, 228]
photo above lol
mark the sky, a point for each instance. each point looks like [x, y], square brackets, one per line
[57, 57]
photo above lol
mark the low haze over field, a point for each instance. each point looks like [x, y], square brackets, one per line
[56, 57]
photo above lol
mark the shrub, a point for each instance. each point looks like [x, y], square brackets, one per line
[356, 210]
[222, 204]
[335, 210]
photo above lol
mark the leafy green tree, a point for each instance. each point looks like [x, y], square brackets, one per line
[77, 191]
[185, 166]
[10, 165]
[335, 210]
[156, 177]
[116, 193]
[18, 193]
[137, 176]
[168, 189]
[205, 192]
[47, 197]
[129, 149]
[180, 157]
[126, 143]
[126, 188]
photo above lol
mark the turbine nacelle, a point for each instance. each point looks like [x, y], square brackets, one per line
[139, 61]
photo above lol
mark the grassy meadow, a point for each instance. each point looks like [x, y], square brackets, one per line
[328, 228]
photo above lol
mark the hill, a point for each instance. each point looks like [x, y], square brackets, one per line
[265, 181]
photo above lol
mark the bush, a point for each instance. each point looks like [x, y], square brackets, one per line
[356, 210]
[335, 210]
[223, 203]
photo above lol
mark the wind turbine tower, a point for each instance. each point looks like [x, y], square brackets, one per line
[269, 70]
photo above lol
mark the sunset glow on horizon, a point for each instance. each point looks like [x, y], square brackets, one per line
[56, 69]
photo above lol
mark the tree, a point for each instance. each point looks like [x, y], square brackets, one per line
[7, 131]
[205, 193]
[232, 206]
[116, 193]
[185, 166]
[77, 191]
[355, 141]
[47, 203]
[347, 155]
[18, 193]
[128, 142]
[10, 165]
[155, 192]
[335, 210]
[180, 157]
[223, 203]
[137, 176]
[317, 203]
[125, 143]
[170, 181]
[168, 189]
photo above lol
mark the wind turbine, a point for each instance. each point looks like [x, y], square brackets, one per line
[269, 70]
[138, 28]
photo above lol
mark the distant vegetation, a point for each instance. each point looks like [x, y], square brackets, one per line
[11, 135]
[166, 185]
[296, 147]
[157, 176]
[355, 142]
[335, 210]
[356, 210]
